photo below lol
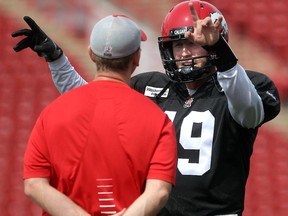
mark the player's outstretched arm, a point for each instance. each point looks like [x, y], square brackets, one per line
[64, 76]
[37, 40]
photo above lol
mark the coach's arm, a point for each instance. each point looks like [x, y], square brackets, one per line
[51, 200]
[152, 200]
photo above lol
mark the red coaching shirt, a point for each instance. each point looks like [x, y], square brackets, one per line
[99, 143]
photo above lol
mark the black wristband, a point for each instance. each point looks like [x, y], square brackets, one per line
[224, 58]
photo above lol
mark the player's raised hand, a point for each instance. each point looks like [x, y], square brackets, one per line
[37, 40]
[206, 33]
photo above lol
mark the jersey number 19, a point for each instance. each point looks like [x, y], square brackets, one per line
[202, 143]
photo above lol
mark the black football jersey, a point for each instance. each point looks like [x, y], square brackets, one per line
[213, 149]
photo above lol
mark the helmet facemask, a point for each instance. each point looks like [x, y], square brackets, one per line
[189, 72]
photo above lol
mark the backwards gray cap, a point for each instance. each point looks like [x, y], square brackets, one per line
[116, 36]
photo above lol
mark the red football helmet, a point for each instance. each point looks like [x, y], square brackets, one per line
[176, 23]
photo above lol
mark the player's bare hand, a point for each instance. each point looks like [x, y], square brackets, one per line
[206, 33]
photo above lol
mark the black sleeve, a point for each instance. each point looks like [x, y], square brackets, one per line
[268, 93]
